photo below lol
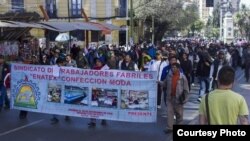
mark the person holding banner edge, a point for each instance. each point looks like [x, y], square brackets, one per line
[99, 65]
[23, 114]
[4, 70]
[60, 62]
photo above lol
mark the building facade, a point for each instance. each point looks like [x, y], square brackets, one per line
[204, 12]
[104, 11]
[234, 4]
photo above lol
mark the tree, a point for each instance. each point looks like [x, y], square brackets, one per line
[168, 15]
[242, 19]
[197, 26]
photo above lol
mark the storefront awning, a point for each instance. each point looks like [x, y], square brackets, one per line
[61, 26]
[71, 26]
[15, 24]
[14, 29]
[111, 26]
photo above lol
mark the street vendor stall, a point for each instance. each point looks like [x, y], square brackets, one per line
[18, 32]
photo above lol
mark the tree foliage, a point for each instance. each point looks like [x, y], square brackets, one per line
[242, 18]
[197, 26]
[169, 15]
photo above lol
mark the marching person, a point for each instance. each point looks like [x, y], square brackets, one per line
[54, 120]
[129, 64]
[34, 61]
[177, 86]
[4, 70]
[70, 62]
[246, 62]
[218, 63]
[225, 106]
[99, 65]
[158, 65]
[187, 67]
[203, 72]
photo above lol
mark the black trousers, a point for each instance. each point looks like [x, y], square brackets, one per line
[247, 68]
[23, 114]
[159, 91]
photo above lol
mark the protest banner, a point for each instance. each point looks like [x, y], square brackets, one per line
[102, 94]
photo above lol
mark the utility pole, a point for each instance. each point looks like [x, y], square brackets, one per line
[223, 10]
[68, 12]
[153, 29]
[131, 20]
[86, 32]
[127, 36]
[69, 31]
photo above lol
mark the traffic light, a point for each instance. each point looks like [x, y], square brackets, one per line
[209, 3]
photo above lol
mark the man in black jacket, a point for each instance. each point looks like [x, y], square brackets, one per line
[203, 71]
[4, 69]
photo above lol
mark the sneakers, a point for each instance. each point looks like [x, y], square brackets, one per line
[67, 118]
[23, 115]
[54, 120]
[103, 122]
[167, 131]
[199, 99]
[91, 124]
[7, 107]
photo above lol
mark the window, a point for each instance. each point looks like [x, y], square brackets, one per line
[51, 8]
[79, 34]
[17, 5]
[123, 8]
[95, 36]
[76, 7]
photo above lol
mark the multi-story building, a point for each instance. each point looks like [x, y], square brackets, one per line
[105, 11]
[234, 4]
[204, 12]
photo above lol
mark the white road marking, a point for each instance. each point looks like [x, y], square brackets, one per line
[19, 128]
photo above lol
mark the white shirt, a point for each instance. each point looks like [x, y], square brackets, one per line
[157, 65]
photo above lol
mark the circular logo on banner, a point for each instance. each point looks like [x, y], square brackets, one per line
[26, 94]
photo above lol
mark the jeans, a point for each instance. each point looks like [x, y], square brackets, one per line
[3, 97]
[204, 85]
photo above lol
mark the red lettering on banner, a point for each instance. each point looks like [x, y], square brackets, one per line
[90, 113]
[140, 114]
[120, 82]
[30, 68]
[43, 77]
[62, 70]
[97, 73]
[148, 76]
[134, 75]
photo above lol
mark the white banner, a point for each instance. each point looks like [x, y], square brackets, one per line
[110, 94]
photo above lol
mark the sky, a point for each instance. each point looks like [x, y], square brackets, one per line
[247, 2]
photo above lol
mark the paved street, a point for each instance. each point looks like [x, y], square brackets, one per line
[37, 126]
